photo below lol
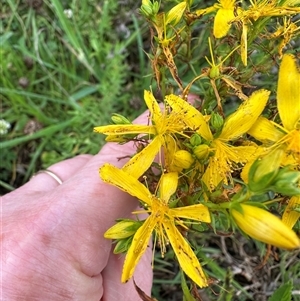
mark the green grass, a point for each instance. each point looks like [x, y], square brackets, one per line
[64, 76]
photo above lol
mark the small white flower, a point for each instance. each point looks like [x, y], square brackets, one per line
[4, 126]
[69, 13]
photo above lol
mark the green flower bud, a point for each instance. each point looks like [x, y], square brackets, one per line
[263, 171]
[216, 120]
[119, 119]
[195, 140]
[122, 245]
[287, 182]
[122, 229]
[201, 151]
[149, 9]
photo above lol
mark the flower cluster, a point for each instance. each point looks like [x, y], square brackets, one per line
[195, 163]
[191, 151]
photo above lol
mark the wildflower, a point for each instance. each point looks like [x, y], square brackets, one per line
[162, 219]
[164, 126]
[4, 126]
[287, 135]
[68, 13]
[264, 226]
[260, 9]
[224, 15]
[223, 156]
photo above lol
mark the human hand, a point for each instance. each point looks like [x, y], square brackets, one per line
[52, 235]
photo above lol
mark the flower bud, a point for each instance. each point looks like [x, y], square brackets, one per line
[262, 172]
[149, 9]
[287, 182]
[264, 226]
[195, 140]
[183, 159]
[201, 151]
[216, 121]
[122, 229]
[119, 119]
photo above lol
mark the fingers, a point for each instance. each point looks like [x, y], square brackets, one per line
[112, 286]
[45, 181]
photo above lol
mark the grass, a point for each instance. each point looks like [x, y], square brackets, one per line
[57, 76]
[61, 76]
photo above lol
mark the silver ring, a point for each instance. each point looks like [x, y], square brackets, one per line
[51, 174]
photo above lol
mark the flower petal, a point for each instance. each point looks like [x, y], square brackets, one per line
[290, 217]
[221, 23]
[140, 162]
[288, 92]
[119, 178]
[185, 255]
[264, 131]
[118, 129]
[242, 120]
[196, 212]
[152, 106]
[138, 247]
[168, 186]
[192, 117]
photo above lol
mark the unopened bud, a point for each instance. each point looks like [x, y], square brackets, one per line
[122, 229]
[264, 226]
[183, 159]
[119, 119]
[263, 171]
[216, 121]
[201, 151]
[195, 140]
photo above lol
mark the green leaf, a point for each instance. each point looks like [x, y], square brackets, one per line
[283, 293]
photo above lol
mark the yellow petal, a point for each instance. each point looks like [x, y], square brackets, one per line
[266, 227]
[192, 117]
[244, 44]
[288, 92]
[290, 216]
[185, 255]
[119, 178]
[140, 162]
[264, 131]
[222, 22]
[152, 106]
[168, 185]
[118, 129]
[138, 247]
[242, 120]
[196, 212]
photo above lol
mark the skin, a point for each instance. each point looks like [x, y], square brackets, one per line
[52, 244]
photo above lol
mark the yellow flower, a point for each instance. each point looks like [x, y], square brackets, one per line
[290, 215]
[164, 126]
[225, 156]
[264, 226]
[162, 219]
[267, 8]
[224, 15]
[286, 136]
